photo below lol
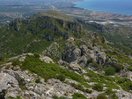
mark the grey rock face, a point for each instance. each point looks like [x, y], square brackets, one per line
[11, 80]
[71, 54]
[7, 81]
[83, 61]
[46, 59]
[84, 50]
[75, 67]
[124, 95]
[58, 88]
[83, 56]
[129, 75]
[9, 84]
[52, 50]
[100, 57]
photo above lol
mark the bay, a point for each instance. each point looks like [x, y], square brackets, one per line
[111, 6]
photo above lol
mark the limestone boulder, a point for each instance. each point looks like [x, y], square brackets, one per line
[46, 59]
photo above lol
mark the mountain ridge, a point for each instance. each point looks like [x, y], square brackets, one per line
[52, 51]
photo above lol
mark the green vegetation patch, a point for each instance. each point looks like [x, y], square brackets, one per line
[101, 96]
[102, 80]
[110, 71]
[18, 97]
[98, 87]
[48, 71]
[125, 83]
[56, 97]
[78, 96]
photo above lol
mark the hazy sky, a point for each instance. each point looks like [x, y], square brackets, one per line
[32, 1]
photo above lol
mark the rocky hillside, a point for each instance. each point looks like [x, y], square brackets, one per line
[120, 36]
[55, 56]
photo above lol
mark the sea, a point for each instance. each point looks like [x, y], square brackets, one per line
[111, 6]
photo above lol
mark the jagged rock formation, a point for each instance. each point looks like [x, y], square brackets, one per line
[83, 55]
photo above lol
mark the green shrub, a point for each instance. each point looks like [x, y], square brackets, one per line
[98, 87]
[113, 96]
[101, 96]
[15, 62]
[78, 86]
[61, 77]
[36, 55]
[109, 91]
[96, 66]
[88, 91]
[48, 71]
[37, 80]
[117, 67]
[1, 57]
[102, 79]
[125, 83]
[78, 96]
[18, 97]
[110, 71]
[130, 68]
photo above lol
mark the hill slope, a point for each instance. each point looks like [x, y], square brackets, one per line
[52, 55]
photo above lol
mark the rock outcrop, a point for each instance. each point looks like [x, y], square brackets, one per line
[46, 59]
[14, 83]
[124, 95]
[8, 84]
[83, 55]
[76, 67]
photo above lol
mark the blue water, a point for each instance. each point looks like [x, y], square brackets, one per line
[112, 6]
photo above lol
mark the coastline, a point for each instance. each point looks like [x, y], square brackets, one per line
[76, 5]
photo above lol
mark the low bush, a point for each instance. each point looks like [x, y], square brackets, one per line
[88, 91]
[15, 62]
[18, 97]
[101, 96]
[48, 71]
[78, 96]
[61, 77]
[130, 68]
[98, 87]
[110, 71]
[37, 80]
[125, 83]
[78, 87]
